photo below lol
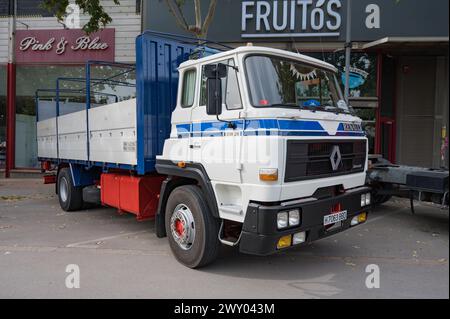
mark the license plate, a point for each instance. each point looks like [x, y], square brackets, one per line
[334, 218]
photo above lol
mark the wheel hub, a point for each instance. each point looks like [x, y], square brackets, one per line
[63, 189]
[182, 226]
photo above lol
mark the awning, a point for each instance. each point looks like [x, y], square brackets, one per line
[409, 44]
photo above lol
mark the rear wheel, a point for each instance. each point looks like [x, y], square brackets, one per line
[70, 197]
[191, 229]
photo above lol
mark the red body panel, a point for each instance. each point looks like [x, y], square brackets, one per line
[137, 195]
[49, 179]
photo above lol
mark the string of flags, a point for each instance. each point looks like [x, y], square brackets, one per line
[302, 76]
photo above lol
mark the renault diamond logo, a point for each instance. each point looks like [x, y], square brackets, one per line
[335, 158]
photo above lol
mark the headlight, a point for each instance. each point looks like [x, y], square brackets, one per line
[365, 199]
[368, 199]
[299, 238]
[288, 219]
[282, 220]
[294, 217]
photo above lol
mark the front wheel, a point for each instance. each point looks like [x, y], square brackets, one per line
[192, 230]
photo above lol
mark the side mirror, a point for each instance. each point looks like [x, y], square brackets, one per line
[214, 96]
[214, 74]
[216, 71]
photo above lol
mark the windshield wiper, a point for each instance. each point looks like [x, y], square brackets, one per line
[290, 105]
[330, 109]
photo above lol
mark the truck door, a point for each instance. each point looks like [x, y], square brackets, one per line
[216, 145]
[181, 117]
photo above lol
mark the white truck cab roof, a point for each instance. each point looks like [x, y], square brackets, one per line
[261, 50]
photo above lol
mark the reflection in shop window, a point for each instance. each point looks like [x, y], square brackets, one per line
[72, 99]
[363, 86]
[369, 125]
[2, 116]
[363, 72]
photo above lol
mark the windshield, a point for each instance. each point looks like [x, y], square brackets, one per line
[279, 82]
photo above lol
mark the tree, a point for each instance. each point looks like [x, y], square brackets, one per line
[201, 26]
[98, 17]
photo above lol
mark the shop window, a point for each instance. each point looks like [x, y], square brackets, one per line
[32, 8]
[363, 72]
[368, 115]
[138, 6]
[363, 86]
[4, 8]
[2, 116]
[72, 99]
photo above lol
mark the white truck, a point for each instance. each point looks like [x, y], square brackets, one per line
[252, 147]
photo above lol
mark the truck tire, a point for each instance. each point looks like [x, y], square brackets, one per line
[379, 199]
[70, 197]
[191, 228]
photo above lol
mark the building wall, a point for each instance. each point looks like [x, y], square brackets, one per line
[126, 21]
[422, 114]
[440, 143]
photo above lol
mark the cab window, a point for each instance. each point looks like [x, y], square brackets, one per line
[230, 88]
[188, 92]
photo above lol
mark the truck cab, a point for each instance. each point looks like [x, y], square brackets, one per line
[281, 161]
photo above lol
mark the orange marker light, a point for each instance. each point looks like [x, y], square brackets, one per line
[268, 174]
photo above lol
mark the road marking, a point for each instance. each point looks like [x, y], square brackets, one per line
[93, 242]
[107, 251]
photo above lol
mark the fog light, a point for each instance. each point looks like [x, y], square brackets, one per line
[363, 200]
[361, 218]
[284, 242]
[368, 198]
[282, 220]
[299, 238]
[294, 217]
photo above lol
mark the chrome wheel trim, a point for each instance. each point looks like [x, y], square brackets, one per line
[63, 189]
[182, 226]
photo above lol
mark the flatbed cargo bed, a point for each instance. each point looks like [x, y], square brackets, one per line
[128, 134]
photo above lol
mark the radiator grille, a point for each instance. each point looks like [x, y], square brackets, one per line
[314, 159]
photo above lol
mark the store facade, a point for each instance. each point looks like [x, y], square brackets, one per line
[399, 63]
[44, 51]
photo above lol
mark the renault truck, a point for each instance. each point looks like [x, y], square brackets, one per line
[249, 147]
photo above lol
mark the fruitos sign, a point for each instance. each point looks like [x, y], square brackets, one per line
[64, 46]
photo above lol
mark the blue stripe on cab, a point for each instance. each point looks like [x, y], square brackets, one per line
[266, 127]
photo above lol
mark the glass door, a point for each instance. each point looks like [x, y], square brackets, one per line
[386, 117]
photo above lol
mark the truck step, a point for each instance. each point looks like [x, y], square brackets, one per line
[228, 241]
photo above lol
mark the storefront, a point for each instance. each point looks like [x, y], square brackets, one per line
[45, 51]
[399, 64]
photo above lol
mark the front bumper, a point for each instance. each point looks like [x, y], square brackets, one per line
[260, 234]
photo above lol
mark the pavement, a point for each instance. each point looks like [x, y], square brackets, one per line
[118, 257]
